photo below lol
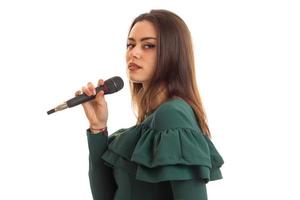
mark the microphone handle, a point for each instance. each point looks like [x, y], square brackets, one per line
[84, 98]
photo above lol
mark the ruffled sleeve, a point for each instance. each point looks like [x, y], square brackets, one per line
[172, 147]
[176, 154]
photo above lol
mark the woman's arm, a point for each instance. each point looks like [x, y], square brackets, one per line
[194, 189]
[102, 182]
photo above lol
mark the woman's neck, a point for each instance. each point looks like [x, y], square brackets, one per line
[159, 98]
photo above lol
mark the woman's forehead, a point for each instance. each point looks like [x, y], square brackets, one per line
[143, 29]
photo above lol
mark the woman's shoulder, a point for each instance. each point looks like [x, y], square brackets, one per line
[174, 113]
[174, 103]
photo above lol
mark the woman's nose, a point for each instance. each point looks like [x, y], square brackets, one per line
[136, 52]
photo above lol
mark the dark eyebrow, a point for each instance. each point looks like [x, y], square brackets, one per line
[144, 38]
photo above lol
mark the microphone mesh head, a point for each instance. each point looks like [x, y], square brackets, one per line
[114, 84]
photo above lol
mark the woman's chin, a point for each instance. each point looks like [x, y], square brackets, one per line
[134, 78]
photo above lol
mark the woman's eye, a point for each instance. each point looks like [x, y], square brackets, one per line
[149, 46]
[130, 46]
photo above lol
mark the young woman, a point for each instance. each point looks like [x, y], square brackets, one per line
[168, 153]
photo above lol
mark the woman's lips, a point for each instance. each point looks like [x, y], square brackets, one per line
[133, 66]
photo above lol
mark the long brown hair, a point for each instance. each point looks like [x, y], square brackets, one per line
[175, 68]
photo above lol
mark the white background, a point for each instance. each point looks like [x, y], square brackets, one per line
[248, 59]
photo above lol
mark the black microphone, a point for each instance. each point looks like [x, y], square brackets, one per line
[110, 86]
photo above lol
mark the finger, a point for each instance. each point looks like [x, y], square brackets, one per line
[100, 82]
[91, 88]
[77, 93]
[86, 91]
[100, 97]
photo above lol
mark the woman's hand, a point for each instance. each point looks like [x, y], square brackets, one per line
[96, 109]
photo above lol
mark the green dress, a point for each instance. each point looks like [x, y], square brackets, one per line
[165, 157]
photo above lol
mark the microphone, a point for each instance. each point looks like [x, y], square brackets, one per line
[110, 86]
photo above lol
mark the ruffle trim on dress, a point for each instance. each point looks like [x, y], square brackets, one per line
[164, 155]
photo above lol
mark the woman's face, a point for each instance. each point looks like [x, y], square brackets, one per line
[141, 52]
